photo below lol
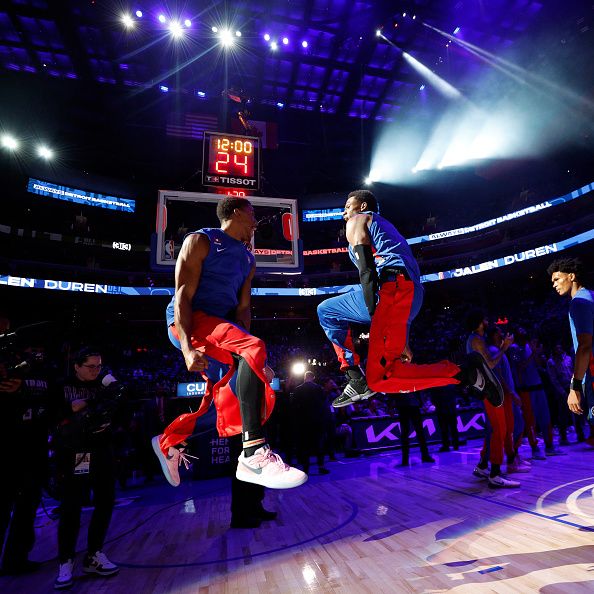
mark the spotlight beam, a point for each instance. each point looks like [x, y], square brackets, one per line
[516, 72]
[440, 84]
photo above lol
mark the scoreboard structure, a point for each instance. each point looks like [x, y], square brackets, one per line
[231, 161]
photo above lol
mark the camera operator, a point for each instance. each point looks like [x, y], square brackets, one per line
[27, 407]
[85, 459]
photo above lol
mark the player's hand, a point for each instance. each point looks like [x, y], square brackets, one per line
[78, 405]
[574, 402]
[269, 373]
[196, 360]
[507, 341]
[10, 385]
[407, 355]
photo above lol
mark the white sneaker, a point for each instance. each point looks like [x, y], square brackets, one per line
[99, 564]
[481, 472]
[64, 579]
[266, 468]
[501, 482]
[170, 464]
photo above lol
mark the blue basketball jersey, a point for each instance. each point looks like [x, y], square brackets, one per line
[224, 271]
[581, 314]
[390, 248]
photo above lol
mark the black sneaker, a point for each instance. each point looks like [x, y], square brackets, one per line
[356, 389]
[477, 375]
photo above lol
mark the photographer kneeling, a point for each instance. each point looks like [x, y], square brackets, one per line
[83, 448]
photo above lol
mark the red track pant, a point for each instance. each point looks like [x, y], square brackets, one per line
[218, 338]
[387, 338]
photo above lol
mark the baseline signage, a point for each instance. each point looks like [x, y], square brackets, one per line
[44, 188]
[191, 389]
[371, 433]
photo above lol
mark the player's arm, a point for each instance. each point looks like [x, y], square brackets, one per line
[582, 360]
[492, 359]
[581, 315]
[243, 313]
[188, 270]
[357, 233]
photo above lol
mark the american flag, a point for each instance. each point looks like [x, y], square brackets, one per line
[192, 125]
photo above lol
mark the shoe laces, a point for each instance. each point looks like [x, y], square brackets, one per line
[101, 558]
[183, 458]
[275, 459]
[66, 568]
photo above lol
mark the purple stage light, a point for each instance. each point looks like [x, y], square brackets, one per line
[201, 94]
[285, 41]
[266, 37]
[280, 104]
[188, 23]
[456, 30]
[273, 46]
[304, 43]
[162, 18]
[422, 88]
[163, 89]
[139, 14]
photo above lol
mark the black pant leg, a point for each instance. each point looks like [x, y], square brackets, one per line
[102, 477]
[72, 488]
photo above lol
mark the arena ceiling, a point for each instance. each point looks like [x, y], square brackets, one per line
[346, 69]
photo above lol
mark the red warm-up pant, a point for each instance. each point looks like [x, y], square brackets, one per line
[500, 436]
[388, 336]
[218, 338]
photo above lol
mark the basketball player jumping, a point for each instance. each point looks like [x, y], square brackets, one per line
[389, 298]
[209, 317]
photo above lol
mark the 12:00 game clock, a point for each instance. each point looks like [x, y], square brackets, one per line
[231, 161]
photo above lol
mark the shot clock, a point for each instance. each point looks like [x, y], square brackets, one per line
[231, 161]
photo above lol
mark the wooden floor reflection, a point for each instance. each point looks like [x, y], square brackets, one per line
[369, 526]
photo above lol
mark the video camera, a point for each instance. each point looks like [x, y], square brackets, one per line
[95, 417]
[15, 362]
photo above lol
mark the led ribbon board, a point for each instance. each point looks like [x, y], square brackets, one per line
[44, 188]
[323, 214]
[231, 161]
[329, 214]
[504, 218]
[544, 250]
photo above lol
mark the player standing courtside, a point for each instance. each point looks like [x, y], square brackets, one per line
[566, 276]
[388, 271]
[209, 317]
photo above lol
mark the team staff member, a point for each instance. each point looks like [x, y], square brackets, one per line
[85, 460]
[567, 278]
[385, 262]
[209, 317]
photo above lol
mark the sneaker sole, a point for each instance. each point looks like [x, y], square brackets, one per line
[101, 573]
[163, 461]
[258, 479]
[63, 586]
[497, 486]
[338, 402]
